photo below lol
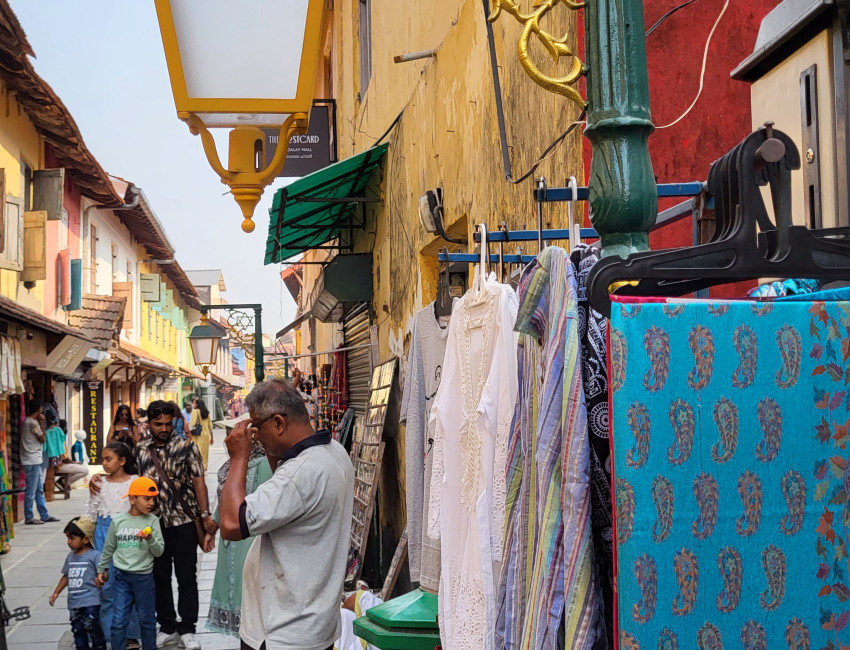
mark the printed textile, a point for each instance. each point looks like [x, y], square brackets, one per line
[731, 428]
[593, 333]
[548, 561]
[466, 509]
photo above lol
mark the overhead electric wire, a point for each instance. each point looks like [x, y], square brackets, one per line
[702, 72]
[667, 15]
[554, 144]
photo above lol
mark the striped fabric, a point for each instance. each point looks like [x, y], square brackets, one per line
[547, 570]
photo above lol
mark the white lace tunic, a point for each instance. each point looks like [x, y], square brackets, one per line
[110, 500]
[473, 411]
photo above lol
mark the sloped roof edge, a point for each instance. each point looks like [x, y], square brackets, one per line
[48, 114]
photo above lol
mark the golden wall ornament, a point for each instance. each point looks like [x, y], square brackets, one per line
[557, 47]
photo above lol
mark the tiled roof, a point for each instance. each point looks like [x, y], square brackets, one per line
[47, 112]
[99, 319]
[207, 278]
[29, 318]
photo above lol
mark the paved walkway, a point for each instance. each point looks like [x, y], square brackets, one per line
[32, 570]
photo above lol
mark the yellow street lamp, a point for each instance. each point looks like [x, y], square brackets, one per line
[243, 65]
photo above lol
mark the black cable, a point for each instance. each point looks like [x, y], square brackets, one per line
[390, 128]
[557, 141]
[667, 15]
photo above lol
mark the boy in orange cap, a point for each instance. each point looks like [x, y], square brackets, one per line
[133, 541]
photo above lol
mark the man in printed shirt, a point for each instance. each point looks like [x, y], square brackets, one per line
[181, 460]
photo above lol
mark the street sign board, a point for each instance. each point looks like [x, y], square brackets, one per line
[308, 152]
[94, 421]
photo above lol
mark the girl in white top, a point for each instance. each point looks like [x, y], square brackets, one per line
[120, 468]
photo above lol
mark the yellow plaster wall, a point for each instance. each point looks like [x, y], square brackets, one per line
[447, 137]
[18, 140]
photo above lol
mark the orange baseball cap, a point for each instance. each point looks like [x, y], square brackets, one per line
[142, 487]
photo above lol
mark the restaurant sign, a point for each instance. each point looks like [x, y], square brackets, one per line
[94, 421]
[308, 152]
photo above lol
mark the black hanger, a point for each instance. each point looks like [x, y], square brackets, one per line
[746, 244]
[443, 302]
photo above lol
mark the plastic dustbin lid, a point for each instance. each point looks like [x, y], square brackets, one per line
[418, 609]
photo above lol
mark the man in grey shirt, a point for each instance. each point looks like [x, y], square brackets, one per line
[32, 449]
[301, 519]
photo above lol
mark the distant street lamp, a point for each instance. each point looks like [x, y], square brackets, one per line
[205, 338]
[204, 341]
[243, 66]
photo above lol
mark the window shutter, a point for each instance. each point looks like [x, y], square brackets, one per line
[35, 246]
[76, 275]
[125, 290]
[149, 284]
[63, 277]
[48, 188]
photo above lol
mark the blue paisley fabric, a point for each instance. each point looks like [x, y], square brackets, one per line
[731, 450]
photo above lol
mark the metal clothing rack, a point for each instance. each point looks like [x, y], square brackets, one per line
[696, 190]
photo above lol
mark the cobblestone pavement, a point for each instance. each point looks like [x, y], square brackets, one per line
[32, 569]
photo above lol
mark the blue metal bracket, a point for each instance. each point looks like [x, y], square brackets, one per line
[665, 190]
[473, 258]
[531, 235]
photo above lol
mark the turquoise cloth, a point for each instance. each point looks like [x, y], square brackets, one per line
[54, 442]
[730, 434]
[226, 597]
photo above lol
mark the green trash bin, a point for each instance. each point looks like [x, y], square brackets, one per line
[408, 622]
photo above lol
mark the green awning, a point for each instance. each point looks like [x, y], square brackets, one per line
[316, 209]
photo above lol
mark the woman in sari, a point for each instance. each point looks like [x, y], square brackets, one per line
[226, 597]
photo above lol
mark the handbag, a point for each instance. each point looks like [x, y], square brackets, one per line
[199, 524]
[197, 430]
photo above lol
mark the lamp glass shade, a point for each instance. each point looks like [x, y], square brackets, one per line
[204, 341]
[252, 62]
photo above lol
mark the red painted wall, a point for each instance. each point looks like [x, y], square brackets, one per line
[720, 119]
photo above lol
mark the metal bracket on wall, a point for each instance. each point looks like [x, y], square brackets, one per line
[811, 150]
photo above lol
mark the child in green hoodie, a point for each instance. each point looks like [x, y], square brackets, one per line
[133, 541]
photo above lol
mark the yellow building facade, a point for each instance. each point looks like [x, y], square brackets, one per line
[447, 137]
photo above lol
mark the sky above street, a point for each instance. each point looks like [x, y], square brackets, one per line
[105, 61]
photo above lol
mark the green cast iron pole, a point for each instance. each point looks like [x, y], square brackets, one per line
[623, 195]
[259, 353]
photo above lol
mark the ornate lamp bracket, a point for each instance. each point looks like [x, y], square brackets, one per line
[557, 47]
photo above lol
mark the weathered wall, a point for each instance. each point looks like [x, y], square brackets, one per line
[722, 117]
[447, 137]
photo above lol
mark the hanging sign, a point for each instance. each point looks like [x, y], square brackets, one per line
[94, 421]
[308, 152]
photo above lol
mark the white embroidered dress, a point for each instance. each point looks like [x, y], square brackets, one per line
[473, 411]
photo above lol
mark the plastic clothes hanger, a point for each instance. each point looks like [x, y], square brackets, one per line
[737, 251]
[443, 301]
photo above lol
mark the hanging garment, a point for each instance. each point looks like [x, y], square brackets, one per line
[472, 412]
[730, 434]
[593, 332]
[424, 370]
[548, 563]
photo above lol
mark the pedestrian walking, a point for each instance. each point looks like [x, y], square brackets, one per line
[132, 544]
[201, 428]
[123, 428]
[294, 571]
[175, 465]
[179, 422]
[142, 424]
[119, 465]
[32, 460]
[79, 574]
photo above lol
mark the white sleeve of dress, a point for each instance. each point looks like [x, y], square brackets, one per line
[505, 406]
[438, 466]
